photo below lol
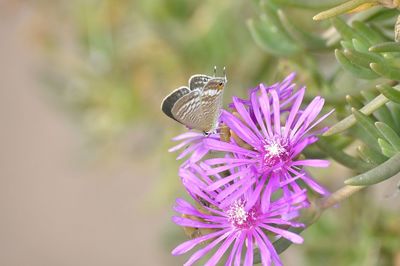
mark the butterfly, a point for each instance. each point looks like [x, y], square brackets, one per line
[198, 105]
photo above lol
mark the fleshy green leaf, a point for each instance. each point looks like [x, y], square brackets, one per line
[371, 155]
[386, 148]
[368, 33]
[389, 134]
[367, 123]
[354, 102]
[395, 110]
[310, 4]
[386, 47]
[360, 46]
[347, 45]
[341, 9]
[386, 70]
[390, 92]
[358, 132]
[357, 70]
[360, 58]
[347, 32]
[341, 157]
[378, 174]
[383, 113]
[350, 120]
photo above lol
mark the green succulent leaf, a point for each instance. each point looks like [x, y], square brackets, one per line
[386, 47]
[347, 32]
[351, 120]
[310, 4]
[367, 32]
[386, 70]
[341, 9]
[395, 110]
[357, 70]
[360, 45]
[390, 135]
[354, 102]
[383, 113]
[390, 92]
[347, 45]
[361, 58]
[341, 157]
[370, 155]
[386, 148]
[367, 123]
[378, 174]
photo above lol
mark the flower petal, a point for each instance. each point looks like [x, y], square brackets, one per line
[188, 245]
[295, 238]
[239, 128]
[221, 250]
[312, 162]
[248, 260]
[201, 252]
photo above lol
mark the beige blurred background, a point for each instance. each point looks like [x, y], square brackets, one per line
[57, 209]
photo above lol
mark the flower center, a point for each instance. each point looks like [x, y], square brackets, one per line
[274, 153]
[239, 217]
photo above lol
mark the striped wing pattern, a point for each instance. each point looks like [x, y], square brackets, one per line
[197, 82]
[197, 106]
[187, 110]
[171, 99]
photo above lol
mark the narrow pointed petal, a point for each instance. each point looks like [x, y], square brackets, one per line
[221, 250]
[188, 135]
[246, 117]
[264, 252]
[228, 147]
[277, 113]
[201, 252]
[293, 112]
[239, 128]
[188, 245]
[286, 234]
[312, 162]
[248, 260]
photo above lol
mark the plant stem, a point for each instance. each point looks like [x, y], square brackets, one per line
[338, 196]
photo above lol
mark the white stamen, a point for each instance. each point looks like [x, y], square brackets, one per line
[274, 149]
[236, 213]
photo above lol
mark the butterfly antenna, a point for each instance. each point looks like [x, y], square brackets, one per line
[224, 73]
[215, 71]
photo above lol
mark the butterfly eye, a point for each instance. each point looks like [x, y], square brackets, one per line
[220, 84]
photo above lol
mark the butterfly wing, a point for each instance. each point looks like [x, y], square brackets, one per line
[197, 82]
[170, 100]
[211, 103]
[197, 106]
[187, 110]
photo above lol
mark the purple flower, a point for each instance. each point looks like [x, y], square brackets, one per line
[284, 90]
[193, 144]
[237, 228]
[269, 161]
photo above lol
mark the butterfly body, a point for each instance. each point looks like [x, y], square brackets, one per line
[197, 106]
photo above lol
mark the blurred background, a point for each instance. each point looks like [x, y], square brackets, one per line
[85, 176]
